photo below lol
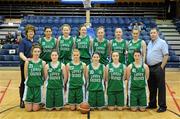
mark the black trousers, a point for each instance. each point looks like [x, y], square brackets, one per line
[22, 85]
[156, 84]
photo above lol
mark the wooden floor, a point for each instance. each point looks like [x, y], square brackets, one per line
[9, 103]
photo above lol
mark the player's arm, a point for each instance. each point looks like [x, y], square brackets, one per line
[91, 45]
[86, 75]
[110, 48]
[84, 69]
[143, 50]
[46, 71]
[109, 52]
[67, 72]
[146, 71]
[56, 42]
[26, 69]
[124, 75]
[106, 72]
[64, 73]
[128, 71]
[44, 64]
[74, 43]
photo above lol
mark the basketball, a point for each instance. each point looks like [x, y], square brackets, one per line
[84, 108]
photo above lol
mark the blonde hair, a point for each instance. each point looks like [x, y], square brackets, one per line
[65, 25]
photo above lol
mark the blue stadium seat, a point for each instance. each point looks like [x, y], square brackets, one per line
[4, 52]
[7, 46]
[1, 57]
[8, 58]
[15, 57]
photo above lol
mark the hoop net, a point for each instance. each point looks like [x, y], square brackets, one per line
[87, 3]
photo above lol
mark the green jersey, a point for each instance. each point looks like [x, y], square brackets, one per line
[115, 77]
[131, 48]
[102, 49]
[55, 76]
[119, 47]
[76, 75]
[137, 78]
[95, 81]
[65, 49]
[35, 74]
[83, 44]
[46, 47]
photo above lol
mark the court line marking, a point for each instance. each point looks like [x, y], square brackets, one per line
[172, 95]
[1, 98]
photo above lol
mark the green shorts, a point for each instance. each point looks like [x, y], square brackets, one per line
[33, 94]
[116, 98]
[54, 98]
[96, 98]
[137, 98]
[76, 95]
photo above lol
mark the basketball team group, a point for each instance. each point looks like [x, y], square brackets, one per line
[113, 74]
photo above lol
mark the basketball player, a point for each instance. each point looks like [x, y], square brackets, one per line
[65, 44]
[84, 44]
[33, 72]
[119, 45]
[95, 76]
[136, 44]
[137, 75]
[47, 43]
[101, 45]
[76, 81]
[55, 75]
[115, 76]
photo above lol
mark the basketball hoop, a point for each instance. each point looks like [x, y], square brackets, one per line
[87, 3]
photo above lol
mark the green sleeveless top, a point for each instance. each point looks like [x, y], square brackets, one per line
[35, 74]
[65, 49]
[131, 47]
[95, 81]
[83, 45]
[55, 76]
[137, 78]
[115, 77]
[120, 47]
[102, 49]
[76, 75]
[46, 47]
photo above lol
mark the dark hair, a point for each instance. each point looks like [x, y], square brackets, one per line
[29, 27]
[114, 52]
[80, 28]
[54, 50]
[95, 53]
[155, 28]
[47, 27]
[137, 51]
[35, 45]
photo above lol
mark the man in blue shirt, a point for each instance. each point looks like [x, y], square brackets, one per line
[25, 53]
[157, 56]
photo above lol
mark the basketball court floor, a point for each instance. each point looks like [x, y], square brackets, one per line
[9, 103]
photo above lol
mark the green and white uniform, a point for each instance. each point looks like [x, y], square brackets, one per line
[76, 82]
[116, 85]
[65, 49]
[119, 47]
[137, 90]
[34, 82]
[55, 86]
[131, 48]
[83, 45]
[46, 47]
[95, 86]
[102, 49]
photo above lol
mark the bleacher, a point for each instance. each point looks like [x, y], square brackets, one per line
[9, 52]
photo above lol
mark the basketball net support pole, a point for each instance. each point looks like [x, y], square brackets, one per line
[88, 23]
